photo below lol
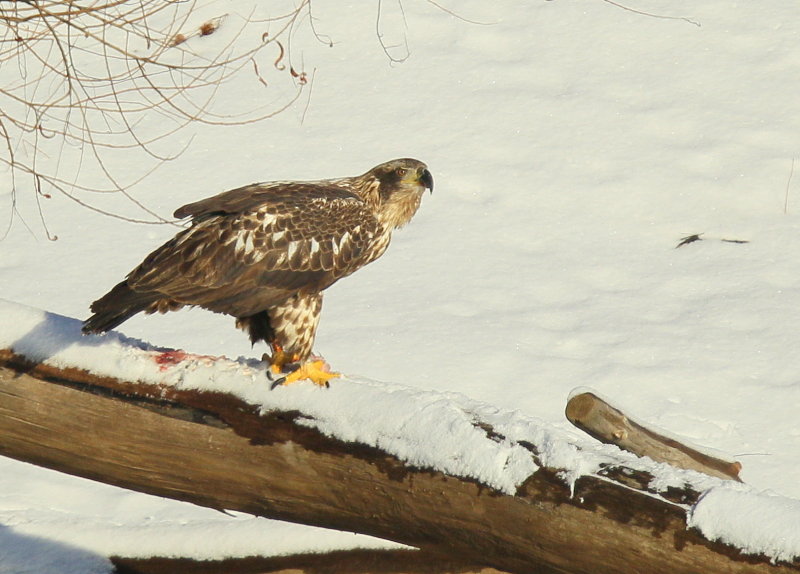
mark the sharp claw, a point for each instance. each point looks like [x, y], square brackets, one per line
[279, 366]
[286, 371]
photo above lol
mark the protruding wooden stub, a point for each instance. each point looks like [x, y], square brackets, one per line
[608, 424]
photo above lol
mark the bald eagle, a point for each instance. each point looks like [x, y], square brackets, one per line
[264, 253]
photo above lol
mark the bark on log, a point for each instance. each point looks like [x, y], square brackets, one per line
[338, 562]
[608, 424]
[215, 450]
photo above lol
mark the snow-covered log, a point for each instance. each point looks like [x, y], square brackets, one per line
[439, 472]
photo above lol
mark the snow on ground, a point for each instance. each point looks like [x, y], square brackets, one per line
[573, 144]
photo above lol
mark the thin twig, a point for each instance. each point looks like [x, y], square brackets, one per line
[308, 101]
[459, 16]
[386, 48]
[788, 183]
[650, 15]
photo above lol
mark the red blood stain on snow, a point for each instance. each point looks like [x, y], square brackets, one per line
[168, 358]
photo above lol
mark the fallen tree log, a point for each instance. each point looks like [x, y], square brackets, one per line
[215, 450]
[453, 477]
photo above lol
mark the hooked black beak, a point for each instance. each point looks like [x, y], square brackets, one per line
[426, 179]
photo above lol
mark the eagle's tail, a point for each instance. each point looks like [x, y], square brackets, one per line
[116, 307]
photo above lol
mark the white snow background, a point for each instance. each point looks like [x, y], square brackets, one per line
[572, 145]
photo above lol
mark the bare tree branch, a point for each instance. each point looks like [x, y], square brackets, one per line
[95, 78]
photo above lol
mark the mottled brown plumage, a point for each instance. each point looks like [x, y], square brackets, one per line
[264, 253]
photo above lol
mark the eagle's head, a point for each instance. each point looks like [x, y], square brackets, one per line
[396, 188]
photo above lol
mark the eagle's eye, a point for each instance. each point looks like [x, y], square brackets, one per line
[400, 171]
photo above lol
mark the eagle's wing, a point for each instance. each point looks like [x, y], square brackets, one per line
[248, 198]
[250, 248]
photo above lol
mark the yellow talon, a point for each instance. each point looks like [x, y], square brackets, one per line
[314, 371]
[279, 359]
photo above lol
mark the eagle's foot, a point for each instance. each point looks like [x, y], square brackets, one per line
[315, 371]
[280, 361]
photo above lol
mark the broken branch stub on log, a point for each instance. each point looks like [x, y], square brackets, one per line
[608, 424]
[216, 450]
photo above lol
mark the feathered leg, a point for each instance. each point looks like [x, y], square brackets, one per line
[290, 329]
